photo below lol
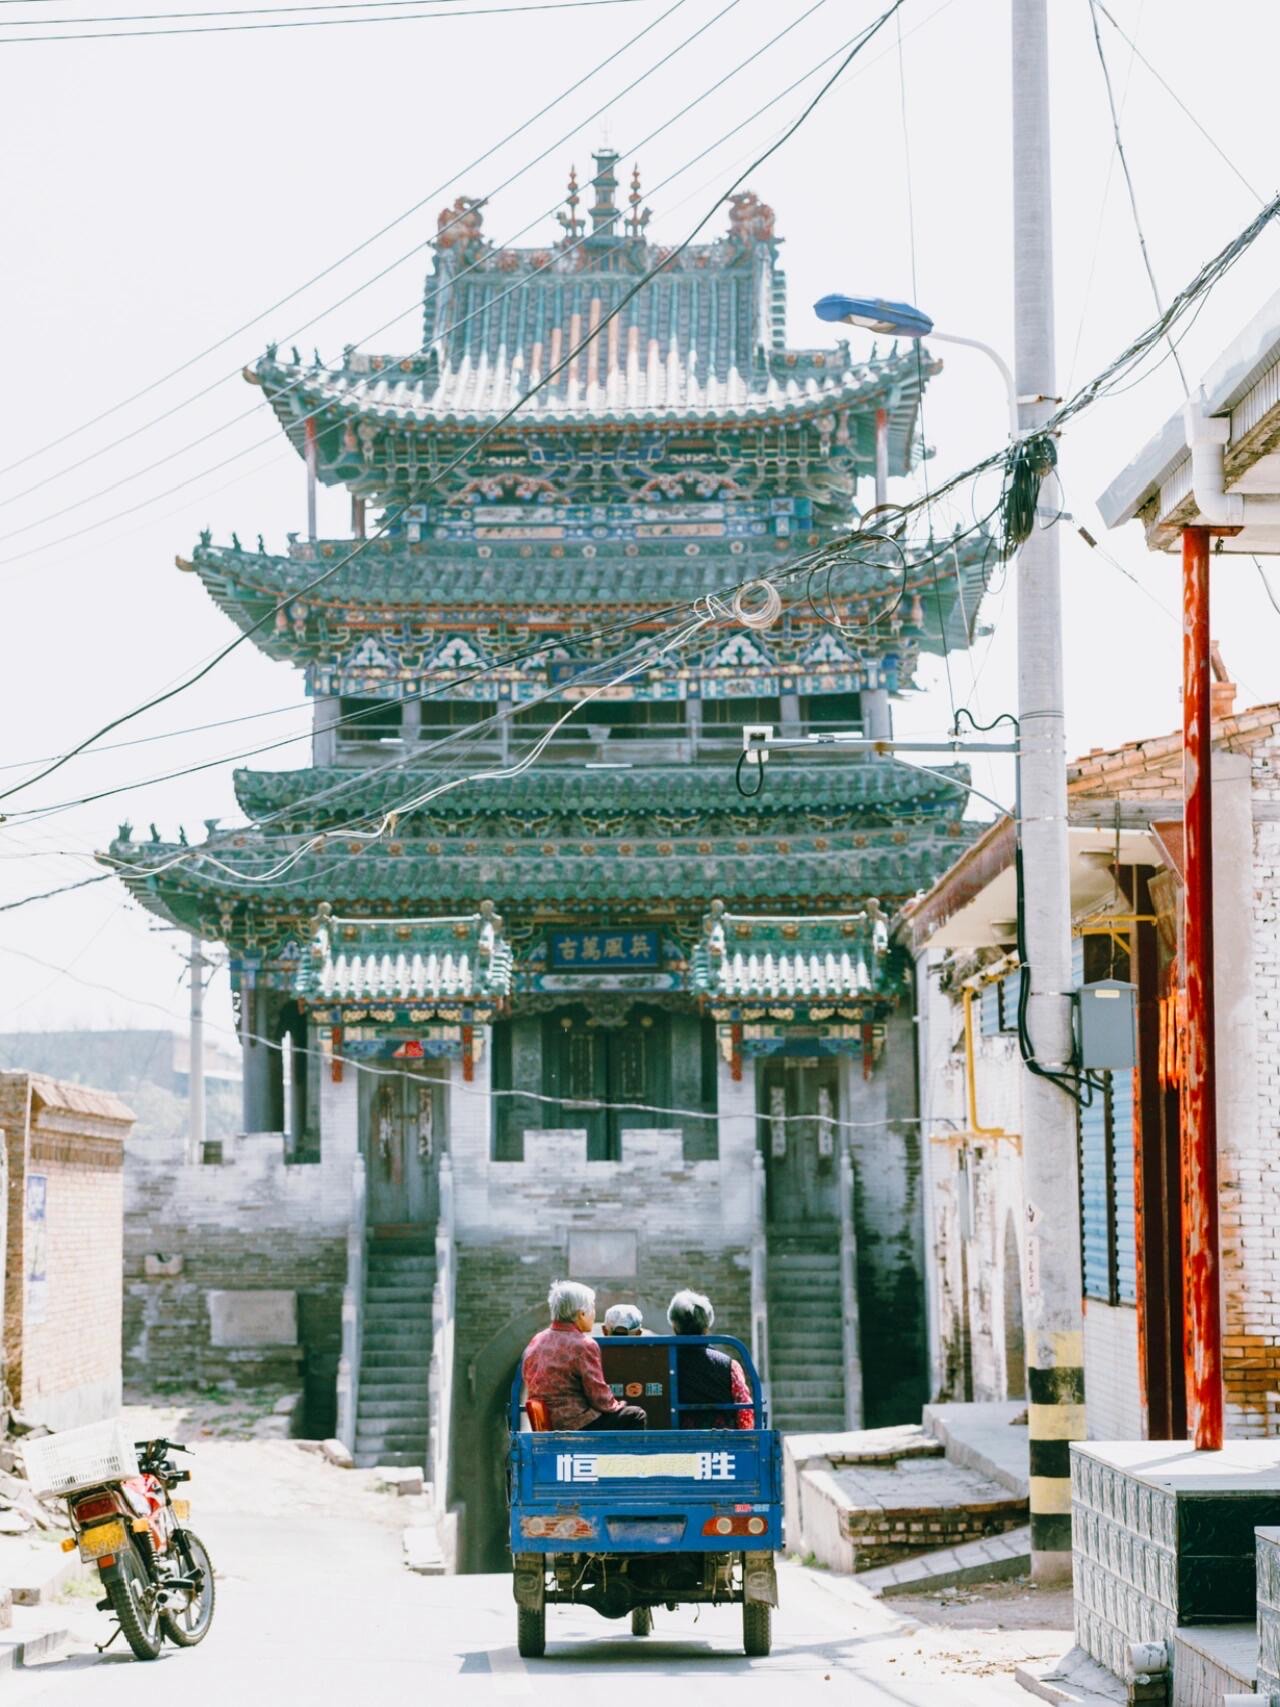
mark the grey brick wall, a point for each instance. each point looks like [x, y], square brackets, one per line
[253, 1223]
[1268, 1541]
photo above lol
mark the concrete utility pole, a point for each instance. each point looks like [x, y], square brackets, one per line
[1051, 1289]
[195, 1063]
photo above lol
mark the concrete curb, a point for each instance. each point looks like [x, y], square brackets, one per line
[984, 1438]
[26, 1650]
[1007, 1555]
[1075, 1680]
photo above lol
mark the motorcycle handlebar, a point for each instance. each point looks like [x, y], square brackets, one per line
[155, 1448]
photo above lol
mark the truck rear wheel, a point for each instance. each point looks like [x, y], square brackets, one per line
[757, 1630]
[642, 1621]
[531, 1632]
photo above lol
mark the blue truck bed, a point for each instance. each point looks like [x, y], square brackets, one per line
[675, 1490]
[661, 1489]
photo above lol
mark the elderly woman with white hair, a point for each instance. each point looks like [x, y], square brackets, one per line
[562, 1366]
[707, 1376]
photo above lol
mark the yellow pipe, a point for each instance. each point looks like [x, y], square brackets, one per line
[970, 1078]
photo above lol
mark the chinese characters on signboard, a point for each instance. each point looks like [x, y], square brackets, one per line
[593, 951]
[697, 1466]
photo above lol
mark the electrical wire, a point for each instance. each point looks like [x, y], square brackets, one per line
[489, 1094]
[488, 432]
[241, 12]
[1103, 200]
[1133, 198]
[312, 23]
[419, 303]
[416, 307]
[333, 266]
[47, 894]
[1180, 103]
[1262, 576]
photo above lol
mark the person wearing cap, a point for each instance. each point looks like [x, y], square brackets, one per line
[623, 1321]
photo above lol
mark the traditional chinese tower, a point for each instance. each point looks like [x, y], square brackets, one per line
[620, 1009]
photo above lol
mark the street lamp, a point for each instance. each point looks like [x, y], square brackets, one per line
[901, 320]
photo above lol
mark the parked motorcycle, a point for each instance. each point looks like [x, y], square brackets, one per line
[156, 1570]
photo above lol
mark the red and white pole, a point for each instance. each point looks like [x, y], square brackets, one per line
[1202, 1308]
[310, 442]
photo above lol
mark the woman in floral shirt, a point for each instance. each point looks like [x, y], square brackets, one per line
[562, 1366]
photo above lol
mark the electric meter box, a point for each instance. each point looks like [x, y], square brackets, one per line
[1107, 1025]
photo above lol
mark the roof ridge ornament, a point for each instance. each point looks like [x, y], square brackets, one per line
[461, 227]
[750, 219]
[636, 219]
[573, 226]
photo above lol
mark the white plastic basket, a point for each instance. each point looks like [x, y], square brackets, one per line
[80, 1458]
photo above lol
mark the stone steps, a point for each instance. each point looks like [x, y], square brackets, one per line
[806, 1336]
[392, 1415]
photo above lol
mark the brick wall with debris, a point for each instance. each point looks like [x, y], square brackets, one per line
[234, 1271]
[64, 1152]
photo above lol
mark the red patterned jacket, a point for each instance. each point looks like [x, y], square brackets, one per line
[562, 1368]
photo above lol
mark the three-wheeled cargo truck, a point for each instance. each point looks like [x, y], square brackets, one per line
[686, 1510]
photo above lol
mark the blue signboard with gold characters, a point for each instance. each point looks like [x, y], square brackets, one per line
[604, 950]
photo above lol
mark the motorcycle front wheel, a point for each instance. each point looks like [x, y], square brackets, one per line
[133, 1602]
[189, 1624]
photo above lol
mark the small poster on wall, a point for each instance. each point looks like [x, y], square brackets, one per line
[37, 1248]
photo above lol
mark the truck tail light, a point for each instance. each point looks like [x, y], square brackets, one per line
[737, 1525]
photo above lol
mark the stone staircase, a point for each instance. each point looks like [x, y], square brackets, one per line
[391, 1405]
[806, 1345]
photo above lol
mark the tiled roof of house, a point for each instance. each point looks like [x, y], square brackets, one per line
[1154, 766]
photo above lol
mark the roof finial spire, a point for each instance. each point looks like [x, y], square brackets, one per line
[636, 220]
[604, 210]
[573, 226]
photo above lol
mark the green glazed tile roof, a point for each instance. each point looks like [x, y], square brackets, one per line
[703, 340]
[399, 587]
[859, 787]
[891, 865]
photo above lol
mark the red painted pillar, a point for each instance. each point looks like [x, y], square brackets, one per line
[1203, 1311]
[309, 430]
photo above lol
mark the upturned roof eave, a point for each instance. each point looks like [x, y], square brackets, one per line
[897, 386]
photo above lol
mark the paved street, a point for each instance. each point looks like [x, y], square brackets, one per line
[315, 1604]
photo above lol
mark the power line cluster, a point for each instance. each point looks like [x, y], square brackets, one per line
[1024, 465]
[371, 13]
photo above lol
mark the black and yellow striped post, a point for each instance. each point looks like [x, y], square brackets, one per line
[1055, 1417]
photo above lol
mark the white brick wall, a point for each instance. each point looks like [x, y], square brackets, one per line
[1112, 1386]
[1247, 929]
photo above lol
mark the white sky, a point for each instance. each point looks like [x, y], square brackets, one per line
[159, 193]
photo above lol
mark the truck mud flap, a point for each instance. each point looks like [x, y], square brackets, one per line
[759, 1579]
[528, 1579]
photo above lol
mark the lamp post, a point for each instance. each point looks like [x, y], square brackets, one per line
[901, 320]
